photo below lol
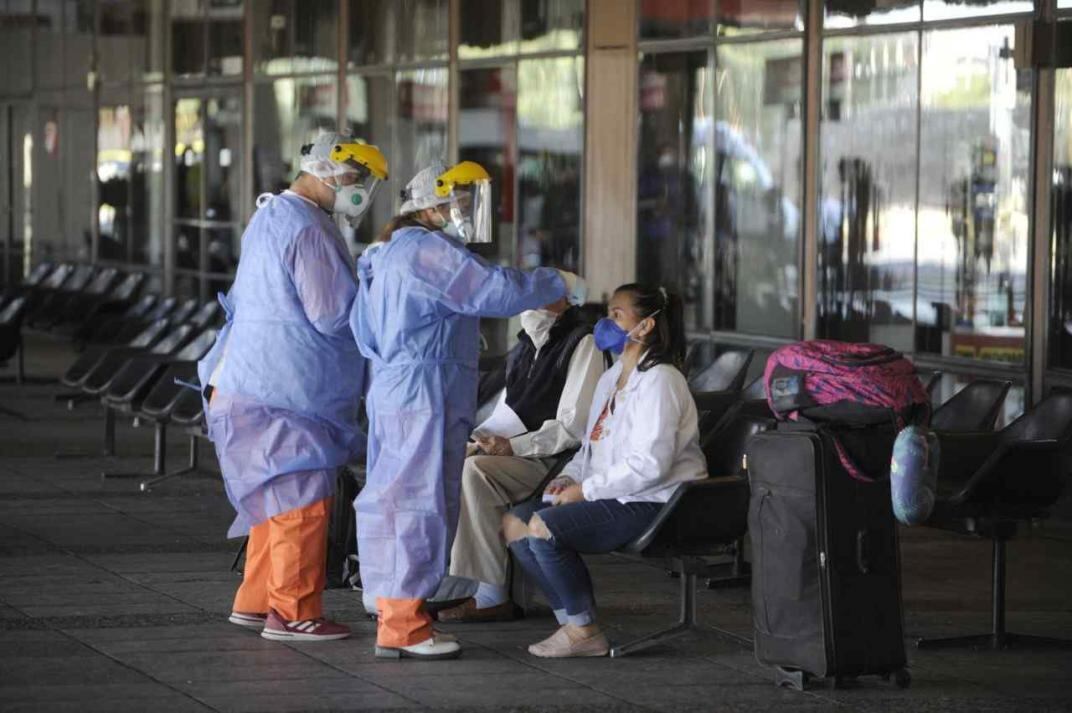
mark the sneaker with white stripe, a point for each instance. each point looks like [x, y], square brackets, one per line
[248, 620]
[277, 628]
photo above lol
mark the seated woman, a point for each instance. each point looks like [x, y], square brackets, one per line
[642, 441]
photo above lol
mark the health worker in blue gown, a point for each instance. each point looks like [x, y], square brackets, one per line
[416, 319]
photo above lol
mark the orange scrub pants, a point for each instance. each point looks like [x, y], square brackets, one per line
[285, 561]
[402, 622]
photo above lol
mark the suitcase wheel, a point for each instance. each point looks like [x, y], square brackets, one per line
[902, 678]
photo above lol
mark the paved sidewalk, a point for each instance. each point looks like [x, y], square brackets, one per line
[114, 600]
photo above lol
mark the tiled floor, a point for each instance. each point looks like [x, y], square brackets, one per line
[114, 600]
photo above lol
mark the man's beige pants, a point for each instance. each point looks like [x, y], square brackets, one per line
[490, 485]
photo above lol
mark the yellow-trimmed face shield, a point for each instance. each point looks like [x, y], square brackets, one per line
[468, 188]
[353, 170]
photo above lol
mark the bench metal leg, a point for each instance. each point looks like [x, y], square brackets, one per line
[159, 456]
[148, 485]
[998, 638]
[686, 623]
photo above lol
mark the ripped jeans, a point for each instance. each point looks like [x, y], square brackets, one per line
[588, 527]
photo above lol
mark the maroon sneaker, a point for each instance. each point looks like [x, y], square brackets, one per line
[277, 628]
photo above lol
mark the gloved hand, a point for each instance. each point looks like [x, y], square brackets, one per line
[576, 287]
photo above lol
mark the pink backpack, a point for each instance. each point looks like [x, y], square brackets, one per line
[846, 384]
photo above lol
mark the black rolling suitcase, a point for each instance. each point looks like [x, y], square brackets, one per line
[342, 531]
[826, 587]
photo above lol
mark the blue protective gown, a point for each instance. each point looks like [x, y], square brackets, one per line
[284, 417]
[416, 320]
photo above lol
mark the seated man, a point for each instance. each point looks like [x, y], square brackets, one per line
[550, 377]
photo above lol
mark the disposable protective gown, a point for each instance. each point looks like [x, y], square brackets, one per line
[416, 321]
[284, 416]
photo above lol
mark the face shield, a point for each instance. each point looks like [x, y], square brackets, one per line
[353, 171]
[467, 188]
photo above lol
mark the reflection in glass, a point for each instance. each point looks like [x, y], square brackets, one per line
[78, 22]
[223, 164]
[423, 31]
[421, 120]
[487, 104]
[48, 45]
[973, 214]
[225, 40]
[16, 46]
[187, 247]
[488, 28]
[868, 189]
[116, 40]
[290, 113]
[189, 157]
[952, 9]
[222, 246]
[758, 192]
[740, 18]
[670, 19]
[292, 36]
[550, 140]
[147, 178]
[673, 186]
[853, 13]
[372, 31]
[187, 37]
[1061, 290]
[551, 25]
[364, 95]
[113, 182]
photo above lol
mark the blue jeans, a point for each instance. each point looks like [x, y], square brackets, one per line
[589, 527]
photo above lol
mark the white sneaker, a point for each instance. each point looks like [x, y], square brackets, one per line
[440, 646]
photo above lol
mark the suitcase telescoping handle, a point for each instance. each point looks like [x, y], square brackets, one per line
[863, 563]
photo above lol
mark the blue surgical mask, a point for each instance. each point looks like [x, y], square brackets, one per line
[612, 338]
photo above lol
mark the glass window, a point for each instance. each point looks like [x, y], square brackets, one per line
[758, 192]
[116, 40]
[223, 163]
[1061, 291]
[114, 128]
[222, 246]
[550, 141]
[673, 187]
[488, 28]
[187, 247]
[365, 99]
[291, 36]
[372, 31]
[973, 211]
[147, 177]
[423, 31]
[48, 44]
[16, 46]
[548, 25]
[421, 120]
[487, 105]
[189, 157]
[289, 113]
[854, 13]
[952, 9]
[187, 37]
[868, 189]
[77, 42]
[225, 40]
[739, 18]
[671, 19]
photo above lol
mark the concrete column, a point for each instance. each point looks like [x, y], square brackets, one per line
[610, 146]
